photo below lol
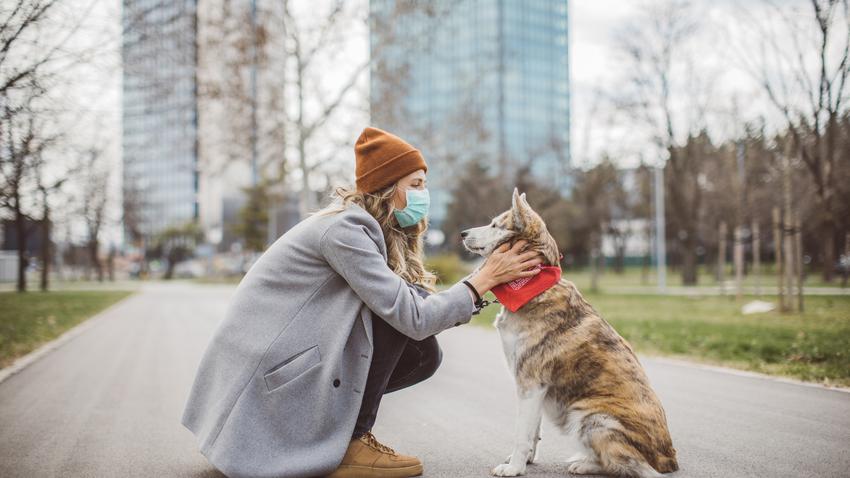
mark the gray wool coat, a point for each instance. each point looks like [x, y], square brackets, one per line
[279, 387]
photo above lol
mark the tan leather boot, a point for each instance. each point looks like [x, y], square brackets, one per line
[368, 458]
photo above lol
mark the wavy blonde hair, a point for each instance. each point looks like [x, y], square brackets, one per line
[404, 244]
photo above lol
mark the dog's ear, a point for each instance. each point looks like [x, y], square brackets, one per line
[517, 209]
[549, 249]
[521, 210]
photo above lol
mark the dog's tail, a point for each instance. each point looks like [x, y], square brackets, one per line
[617, 456]
[667, 464]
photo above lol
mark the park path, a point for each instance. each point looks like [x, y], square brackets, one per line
[108, 403]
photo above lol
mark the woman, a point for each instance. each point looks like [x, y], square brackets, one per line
[337, 312]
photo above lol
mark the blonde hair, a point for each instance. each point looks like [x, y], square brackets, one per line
[404, 244]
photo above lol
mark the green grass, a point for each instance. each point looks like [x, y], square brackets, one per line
[635, 276]
[450, 268]
[814, 346]
[31, 319]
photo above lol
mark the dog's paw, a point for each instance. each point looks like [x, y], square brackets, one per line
[584, 467]
[532, 457]
[506, 469]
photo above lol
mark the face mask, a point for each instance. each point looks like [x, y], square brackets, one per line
[418, 201]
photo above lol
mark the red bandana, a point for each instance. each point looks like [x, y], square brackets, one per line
[516, 293]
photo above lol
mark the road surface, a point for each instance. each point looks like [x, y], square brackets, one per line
[108, 403]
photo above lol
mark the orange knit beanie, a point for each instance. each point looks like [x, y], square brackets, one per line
[382, 159]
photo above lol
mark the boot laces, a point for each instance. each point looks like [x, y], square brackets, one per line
[373, 442]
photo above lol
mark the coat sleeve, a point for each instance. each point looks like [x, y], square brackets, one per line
[350, 250]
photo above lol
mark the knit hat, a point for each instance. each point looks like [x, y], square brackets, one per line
[383, 158]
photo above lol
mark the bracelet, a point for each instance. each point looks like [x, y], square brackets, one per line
[472, 288]
[479, 302]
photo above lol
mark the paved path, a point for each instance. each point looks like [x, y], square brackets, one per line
[108, 403]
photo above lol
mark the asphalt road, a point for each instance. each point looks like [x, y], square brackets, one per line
[108, 403]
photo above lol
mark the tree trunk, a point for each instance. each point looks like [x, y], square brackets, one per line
[689, 260]
[721, 257]
[845, 265]
[788, 254]
[95, 261]
[594, 263]
[110, 265]
[828, 235]
[620, 260]
[828, 190]
[21, 232]
[798, 259]
[689, 267]
[45, 250]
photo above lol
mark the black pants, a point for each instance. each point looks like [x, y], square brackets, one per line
[397, 362]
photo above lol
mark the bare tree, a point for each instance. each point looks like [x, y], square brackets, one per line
[669, 93]
[38, 57]
[22, 148]
[21, 84]
[19, 22]
[264, 87]
[46, 191]
[93, 202]
[306, 46]
[803, 69]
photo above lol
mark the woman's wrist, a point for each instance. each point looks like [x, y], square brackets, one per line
[481, 283]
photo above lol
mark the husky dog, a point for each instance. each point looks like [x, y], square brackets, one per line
[572, 366]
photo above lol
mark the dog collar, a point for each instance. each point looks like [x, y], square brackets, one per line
[516, 293]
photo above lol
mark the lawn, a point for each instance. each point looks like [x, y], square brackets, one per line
[636, 276]
[31, 319]
[814, 346]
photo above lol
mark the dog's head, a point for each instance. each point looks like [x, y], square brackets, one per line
[519, 222]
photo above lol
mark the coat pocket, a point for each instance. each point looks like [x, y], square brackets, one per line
[292, 367]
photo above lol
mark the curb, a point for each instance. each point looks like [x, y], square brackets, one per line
[24, 361]
[746, 373]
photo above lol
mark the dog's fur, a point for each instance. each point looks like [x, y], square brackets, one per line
[572, 366]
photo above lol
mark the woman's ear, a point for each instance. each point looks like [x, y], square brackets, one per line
[399, 198]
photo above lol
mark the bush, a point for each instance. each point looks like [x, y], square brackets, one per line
[449, 267]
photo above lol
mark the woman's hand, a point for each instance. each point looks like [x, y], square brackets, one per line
[505, 265]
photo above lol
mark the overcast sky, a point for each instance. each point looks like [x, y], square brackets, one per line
[593, 62]
[594, 68]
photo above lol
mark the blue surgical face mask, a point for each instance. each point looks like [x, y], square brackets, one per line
[418, 201]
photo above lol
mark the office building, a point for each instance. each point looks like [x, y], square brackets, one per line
[474, 79]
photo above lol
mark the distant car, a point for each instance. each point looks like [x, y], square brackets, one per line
[189, 269]
[842, 265]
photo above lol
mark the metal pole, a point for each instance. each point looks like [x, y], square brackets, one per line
[254, 174]
[721, 257]
[780, 263]
[660, 244]
[798, 258]
[738, 253]
[757, 257]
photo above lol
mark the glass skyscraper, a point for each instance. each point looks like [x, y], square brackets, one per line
[160, 112]
[485, 79]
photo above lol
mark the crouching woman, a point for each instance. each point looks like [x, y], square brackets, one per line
[337, 312]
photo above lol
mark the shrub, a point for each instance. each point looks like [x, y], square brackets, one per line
[449, 267]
